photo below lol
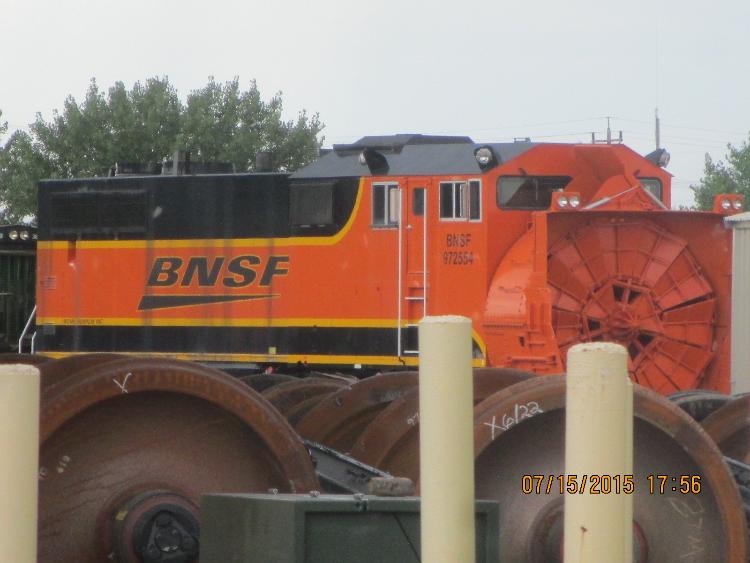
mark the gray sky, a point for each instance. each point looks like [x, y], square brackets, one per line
[546, 69]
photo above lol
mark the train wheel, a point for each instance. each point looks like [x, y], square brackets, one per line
[58, 370]
[391, 441]
[262, 381]
[634, 283]
[339, 419]
[26, 359]
[671, 527]
[127, 448]
[729, 427]
[286, 396]
[699, 403]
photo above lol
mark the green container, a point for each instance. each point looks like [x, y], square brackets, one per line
[325, 529]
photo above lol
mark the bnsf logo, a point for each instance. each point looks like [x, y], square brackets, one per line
[240, 271]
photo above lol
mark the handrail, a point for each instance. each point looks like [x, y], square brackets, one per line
[25, 330]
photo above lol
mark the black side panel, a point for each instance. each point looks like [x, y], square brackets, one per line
[220, 340]
[165, 207]
[222, 206]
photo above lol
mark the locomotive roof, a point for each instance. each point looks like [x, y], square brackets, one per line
[409, 155]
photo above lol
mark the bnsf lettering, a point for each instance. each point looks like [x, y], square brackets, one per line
[458, 239]
[206, 278]
[243, 273]
[240, 271]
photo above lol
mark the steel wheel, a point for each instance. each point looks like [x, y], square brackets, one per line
[262, 381]
[58, 370]
[670, 527]
[128, 447]
[729, 427]
[25, 359]
[391, 441]
[339, 419]
[699, 403]
[286, 396]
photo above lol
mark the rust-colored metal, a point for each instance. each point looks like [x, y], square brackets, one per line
[26, 359]
[391, 441]
[729, 427]
[126, 429]
[262, 381]
[699, 403]
[58, 370]
[635, 283]
[286, 396]
[298, 411]
[339, 419]
[520, 431]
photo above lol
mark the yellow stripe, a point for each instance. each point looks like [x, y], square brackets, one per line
[267, 358]
[221, 322]
[239, 322]
[215, 243]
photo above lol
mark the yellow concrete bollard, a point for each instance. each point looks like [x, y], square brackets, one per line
[19, 462]
[446, 434]
[599, 443]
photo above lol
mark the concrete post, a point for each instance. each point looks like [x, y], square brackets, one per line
[446, 434]
[598, 442]
[19, 462]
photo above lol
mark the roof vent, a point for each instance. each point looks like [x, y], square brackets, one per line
[264, 161]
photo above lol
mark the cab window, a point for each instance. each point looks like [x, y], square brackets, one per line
[652, 185]
[528, 192]
[386, 205]
[461, 200]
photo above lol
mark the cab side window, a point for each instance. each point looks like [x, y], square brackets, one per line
[386, 205]
[461, 200]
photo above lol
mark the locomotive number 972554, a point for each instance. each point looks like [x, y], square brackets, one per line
[452, 258]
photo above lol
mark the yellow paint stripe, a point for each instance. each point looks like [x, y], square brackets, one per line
[240, 322]
[216, 243]
[268, 358]
[222, 322]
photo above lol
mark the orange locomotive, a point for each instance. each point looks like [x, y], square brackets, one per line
[541, 245]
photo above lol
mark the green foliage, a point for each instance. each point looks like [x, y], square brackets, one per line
[219, 122]
[724, 178]
[223, 123]
[21, 167]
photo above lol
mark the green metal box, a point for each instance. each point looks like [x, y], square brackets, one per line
[324, 529]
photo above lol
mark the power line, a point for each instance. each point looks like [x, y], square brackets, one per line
[720, 131]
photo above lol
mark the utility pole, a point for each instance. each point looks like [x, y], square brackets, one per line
[608, 140]
[658, 129]
[609, 133]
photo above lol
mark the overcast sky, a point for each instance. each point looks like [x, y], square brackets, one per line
[550, 70]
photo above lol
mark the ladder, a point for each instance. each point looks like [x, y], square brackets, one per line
[415, 294]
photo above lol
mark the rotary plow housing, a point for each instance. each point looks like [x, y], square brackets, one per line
[658, 283]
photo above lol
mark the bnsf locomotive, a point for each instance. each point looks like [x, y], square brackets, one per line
[541, 245]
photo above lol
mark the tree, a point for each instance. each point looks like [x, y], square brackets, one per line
[219, 122]
[722, 178]
[21, 167]
[223, 123]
